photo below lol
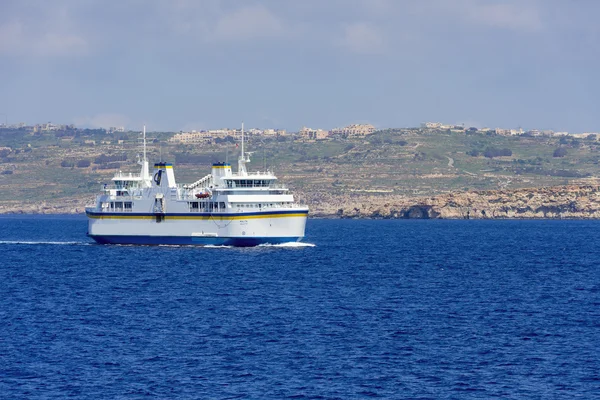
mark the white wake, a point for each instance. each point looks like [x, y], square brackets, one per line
[288, 244]
[42, 242]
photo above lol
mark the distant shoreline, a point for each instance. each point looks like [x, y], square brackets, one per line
[559, 202]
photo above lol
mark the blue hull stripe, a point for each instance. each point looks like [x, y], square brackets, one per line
[187, 240]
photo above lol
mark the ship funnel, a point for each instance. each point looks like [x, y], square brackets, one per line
[163, 175]
[220, 170]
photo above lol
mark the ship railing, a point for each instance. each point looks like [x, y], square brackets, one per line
[255, 173]
[125, 175]
[200, 182]
[107, 187]
[268, 206]
[252, 185]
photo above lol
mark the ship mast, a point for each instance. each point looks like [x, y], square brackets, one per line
[242, 160]
[145, 175]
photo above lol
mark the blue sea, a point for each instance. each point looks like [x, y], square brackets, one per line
[394, 309]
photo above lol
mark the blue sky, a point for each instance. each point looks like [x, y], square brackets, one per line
[206, 64]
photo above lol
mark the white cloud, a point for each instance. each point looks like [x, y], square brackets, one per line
[521, 17]
[211, 21]
[248, 23]
[378, 7]
[509, 15]
[57, 44]
[11, 35]
[19, 38]
[362, 38]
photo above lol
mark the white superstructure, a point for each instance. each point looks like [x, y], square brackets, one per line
[222, 208]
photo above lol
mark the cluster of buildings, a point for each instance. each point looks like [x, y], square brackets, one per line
[303, 134]
[50, 127]
[350, 130]
[461, 128]
[505, 132]
[38, 128]
[308, 134]
[209, 135]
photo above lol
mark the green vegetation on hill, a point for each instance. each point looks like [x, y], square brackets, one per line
[52, 166]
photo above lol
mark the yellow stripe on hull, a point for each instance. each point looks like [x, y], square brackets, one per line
[197, 217]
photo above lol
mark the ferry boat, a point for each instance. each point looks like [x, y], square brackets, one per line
[222, 208]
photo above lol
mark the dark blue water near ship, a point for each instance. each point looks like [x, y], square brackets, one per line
[389, 309]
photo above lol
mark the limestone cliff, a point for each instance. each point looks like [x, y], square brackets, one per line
[552, 202]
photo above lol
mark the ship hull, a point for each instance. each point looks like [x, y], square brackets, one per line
[191, 241]
[228, 229]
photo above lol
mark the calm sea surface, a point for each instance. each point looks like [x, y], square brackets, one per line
[388, 309]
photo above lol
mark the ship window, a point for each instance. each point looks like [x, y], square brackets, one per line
[118, 205]
[222, 205]
[128, 205]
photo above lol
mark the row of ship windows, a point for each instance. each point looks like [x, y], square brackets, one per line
[117, 206]
[216, 206]
[194, 205]
[248, 183]
[206, 205]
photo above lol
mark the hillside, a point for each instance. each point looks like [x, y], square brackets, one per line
[45, 173]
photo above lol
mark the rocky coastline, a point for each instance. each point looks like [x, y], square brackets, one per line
[559, 202]
[571, 202]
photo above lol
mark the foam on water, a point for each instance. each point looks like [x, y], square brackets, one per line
[288, 244]
[285, 245]
[43, 242]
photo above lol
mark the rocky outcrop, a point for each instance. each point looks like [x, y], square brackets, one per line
[59, 206]
[551, 202]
